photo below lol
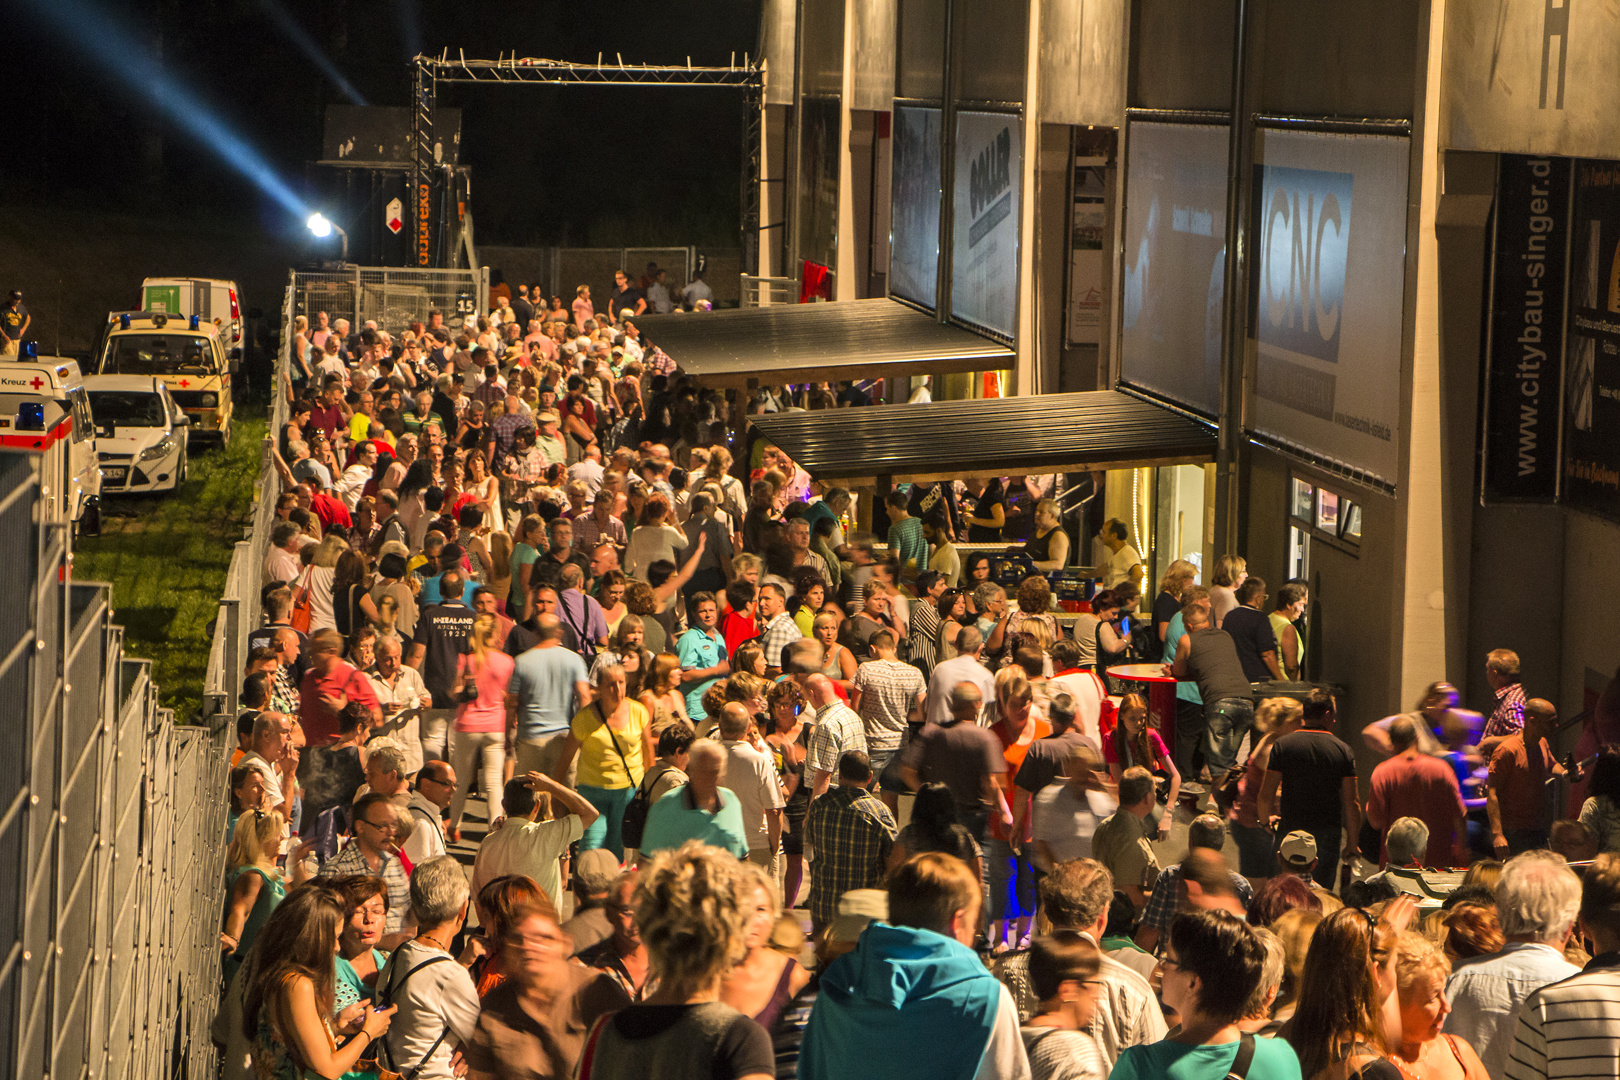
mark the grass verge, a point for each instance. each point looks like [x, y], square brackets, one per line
[166, 557]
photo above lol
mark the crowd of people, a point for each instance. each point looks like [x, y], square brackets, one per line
[699, 696]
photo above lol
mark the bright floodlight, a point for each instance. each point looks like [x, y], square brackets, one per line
[319, 225]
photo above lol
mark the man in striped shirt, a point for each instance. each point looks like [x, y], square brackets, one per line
[1571, 1029]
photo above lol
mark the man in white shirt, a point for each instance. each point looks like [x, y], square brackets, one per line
[435, 784]
[535, 834]
[435, 996]
[1572, 1028]
[281, 562]
[1075, 896]
[353, 481]
[1124, 561]
[965, 666]
[1537, 900]
[752, 778]
[402, 696]
[588, 470]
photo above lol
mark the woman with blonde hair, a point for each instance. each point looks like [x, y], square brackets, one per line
[626, 649]
[319, 579]
[301, 370]
[290, 1003]
[612, 739]
[1294, 928]
[1421, 1050]
[766, 980]
[1230, 572]
[838, 663]
[1256, 842]
[661, 690]
[483, 674]
[691, 906]
[1177, 577]
[253, 884]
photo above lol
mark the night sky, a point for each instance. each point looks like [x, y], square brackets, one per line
[550, 165]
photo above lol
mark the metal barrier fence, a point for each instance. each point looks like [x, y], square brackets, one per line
[391, 296]
[111, 831]
[764, 291]
[239, 607]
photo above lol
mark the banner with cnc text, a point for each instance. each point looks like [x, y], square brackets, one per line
[1524, 359]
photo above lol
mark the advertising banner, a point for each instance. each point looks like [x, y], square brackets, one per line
[1175, 262]
[1329, 249]
[984, 231]
[914, 234]
[1592, 368]
[1087, 228]
[1525, 356]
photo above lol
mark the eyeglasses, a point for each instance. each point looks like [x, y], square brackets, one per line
[1170, 964]
[374, 825]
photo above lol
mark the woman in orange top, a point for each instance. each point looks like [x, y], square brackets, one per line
[1012, 880]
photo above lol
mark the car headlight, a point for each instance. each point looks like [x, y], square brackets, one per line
[162, 448]
[208, 401]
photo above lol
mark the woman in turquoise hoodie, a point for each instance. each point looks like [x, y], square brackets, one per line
[913, 998]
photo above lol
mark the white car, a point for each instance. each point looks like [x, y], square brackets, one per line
[141, 433]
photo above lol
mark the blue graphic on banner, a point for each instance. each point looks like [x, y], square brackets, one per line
[1304, 245]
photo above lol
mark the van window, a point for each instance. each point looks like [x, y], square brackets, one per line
[83, 424]
[159, 354]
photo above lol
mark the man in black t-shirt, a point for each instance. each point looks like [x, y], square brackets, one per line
[625, 297]
[1251, 631]
[1317, 773]
[14, 320]
[440, 639]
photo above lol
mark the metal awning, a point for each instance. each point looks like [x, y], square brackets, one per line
[800, 343]
[949, 440]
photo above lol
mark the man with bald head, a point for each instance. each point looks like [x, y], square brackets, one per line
[964, 756]
[751, 774]
[1517, 800]
[838, 730]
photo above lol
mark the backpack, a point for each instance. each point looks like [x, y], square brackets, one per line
[634, 822]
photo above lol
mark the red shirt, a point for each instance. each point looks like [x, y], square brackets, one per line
[1414, 784]
[319, 722]
[326, 418]
[1520, 779]
[737, 628]
[329, 510]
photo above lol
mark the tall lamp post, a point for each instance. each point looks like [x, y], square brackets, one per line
[322, 227]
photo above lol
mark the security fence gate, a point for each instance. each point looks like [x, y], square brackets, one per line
[393, 297]
[112, 822]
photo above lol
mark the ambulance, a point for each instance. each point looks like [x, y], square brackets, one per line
[188, 354]
[213, 300]
[45, 410]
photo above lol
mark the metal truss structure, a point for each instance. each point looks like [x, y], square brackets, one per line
[431, 71]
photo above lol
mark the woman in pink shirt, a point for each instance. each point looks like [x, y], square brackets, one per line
[484, 672]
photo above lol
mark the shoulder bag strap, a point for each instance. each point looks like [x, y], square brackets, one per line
[613, 738]
[1245, 1057]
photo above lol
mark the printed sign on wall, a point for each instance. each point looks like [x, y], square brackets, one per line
[914, 235]
[984, 248]
[1328, 234]
[1525, 357]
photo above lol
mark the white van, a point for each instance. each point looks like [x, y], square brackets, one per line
[214, 299]
[43, 410]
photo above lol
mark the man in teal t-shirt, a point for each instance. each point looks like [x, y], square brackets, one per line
[700, 809]
[907, 544]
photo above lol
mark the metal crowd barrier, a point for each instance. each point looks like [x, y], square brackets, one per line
[239, 608]
[392, 296]
[111, 831]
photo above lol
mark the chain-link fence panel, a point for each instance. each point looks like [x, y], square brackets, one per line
[393, 297]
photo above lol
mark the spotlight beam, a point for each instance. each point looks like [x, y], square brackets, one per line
[312, 51]
[124, 55]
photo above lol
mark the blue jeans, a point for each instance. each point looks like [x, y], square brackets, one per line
[1012, 881]
[604, 831]
[1229, 719]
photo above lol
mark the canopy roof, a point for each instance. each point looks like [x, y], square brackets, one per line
[948, 440]
[800, 343]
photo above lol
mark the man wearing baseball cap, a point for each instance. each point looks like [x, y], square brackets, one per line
[1297, 854]
[14, 320]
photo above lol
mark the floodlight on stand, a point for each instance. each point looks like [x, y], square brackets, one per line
[319, 225]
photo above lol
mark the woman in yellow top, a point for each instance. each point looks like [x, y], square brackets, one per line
[1291, 601]
[613, 738]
